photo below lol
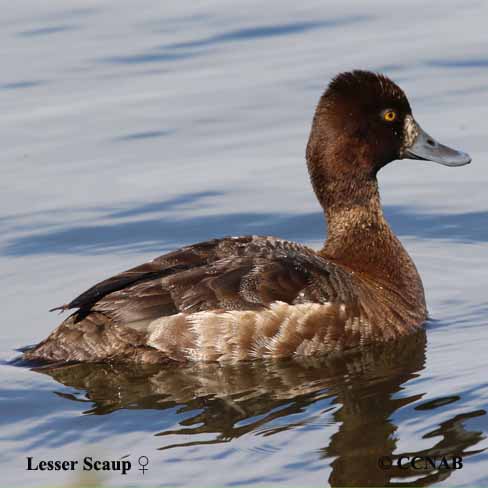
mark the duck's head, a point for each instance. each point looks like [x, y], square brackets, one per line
[364, 121]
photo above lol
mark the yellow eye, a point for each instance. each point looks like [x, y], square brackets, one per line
[389, 116]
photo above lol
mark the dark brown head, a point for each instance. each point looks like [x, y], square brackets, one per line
[362, 122]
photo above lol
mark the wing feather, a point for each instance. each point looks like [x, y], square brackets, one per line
[245, 273]
[229, 275]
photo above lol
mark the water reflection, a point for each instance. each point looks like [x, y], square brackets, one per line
[460, 63]
[45, 31]
[222, 403]
[264, 31]
[148, 231]
[138, 136]
[19, 85]
[171, 52]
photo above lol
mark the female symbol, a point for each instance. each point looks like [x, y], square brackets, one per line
[143, 462]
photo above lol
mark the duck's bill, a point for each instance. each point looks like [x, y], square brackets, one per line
[427, 148]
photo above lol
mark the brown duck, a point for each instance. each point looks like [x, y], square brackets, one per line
[242, 298]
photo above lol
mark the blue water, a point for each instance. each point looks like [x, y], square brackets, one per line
[129, 130]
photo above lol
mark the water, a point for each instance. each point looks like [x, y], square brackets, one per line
[128, 130]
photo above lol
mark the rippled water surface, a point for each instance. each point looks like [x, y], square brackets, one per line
[130, 128]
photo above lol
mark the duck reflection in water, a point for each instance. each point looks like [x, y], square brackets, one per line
[229, 401]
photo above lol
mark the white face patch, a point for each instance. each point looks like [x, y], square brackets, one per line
[410, 133]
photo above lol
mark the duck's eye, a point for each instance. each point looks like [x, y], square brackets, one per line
[389, 115]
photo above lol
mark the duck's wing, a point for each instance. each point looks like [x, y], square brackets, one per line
[183, 259]
[129, 313]
[245, 273]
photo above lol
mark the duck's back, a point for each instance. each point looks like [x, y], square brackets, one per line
[227, 299]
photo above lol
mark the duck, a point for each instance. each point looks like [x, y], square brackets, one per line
[245, 298]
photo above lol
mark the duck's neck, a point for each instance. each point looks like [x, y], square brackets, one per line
[360, 238]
